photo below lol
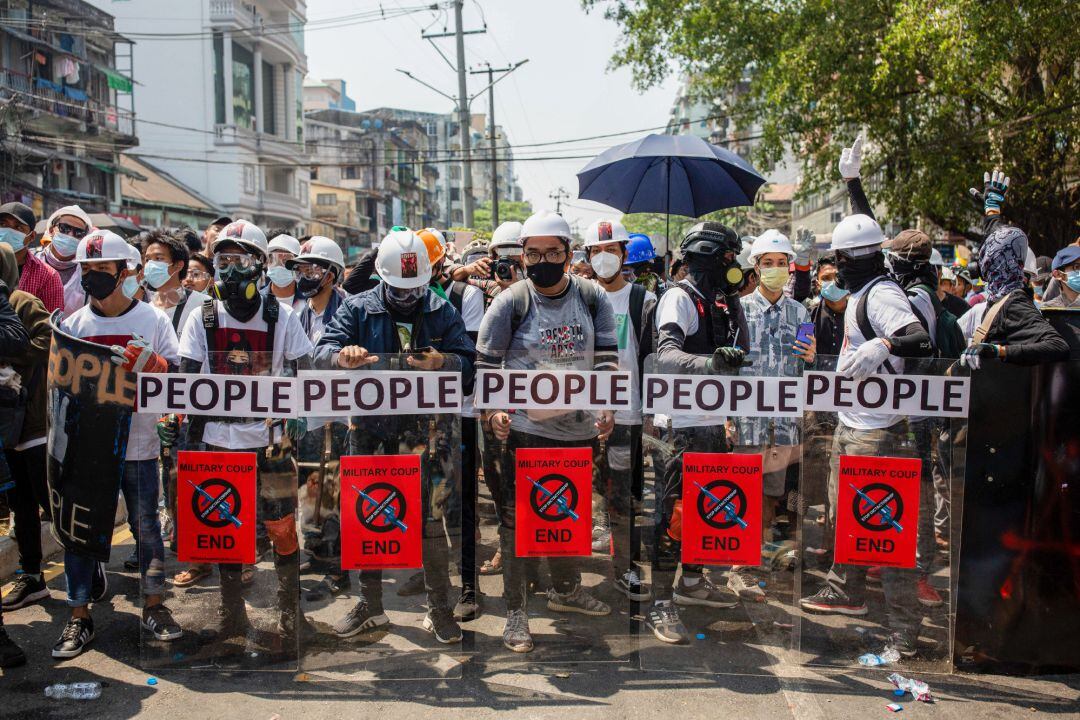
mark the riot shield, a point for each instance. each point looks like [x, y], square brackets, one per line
[232, 587]
[883, 465]
[381, 501]
[721, 519]
[556, 560]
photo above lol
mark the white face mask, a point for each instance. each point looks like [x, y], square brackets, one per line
[605, 265]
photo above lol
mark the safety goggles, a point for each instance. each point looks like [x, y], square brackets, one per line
[197, 275]
[308, 271]
[75, 232]
[278, 257]
[238, 261]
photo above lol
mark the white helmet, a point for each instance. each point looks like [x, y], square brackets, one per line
[771, 241]
[857, 232]
[545, 224]
[605, 231]
[319, 249]
[243, 233]
[104, 246]
[507, 235]
[743, 258]
[402, 261]
[948, 273]
[284, 243]
[935, 258]
[1031, 265]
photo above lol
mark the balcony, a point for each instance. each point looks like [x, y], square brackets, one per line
[58, 107]
[232, 13]
[260, 143]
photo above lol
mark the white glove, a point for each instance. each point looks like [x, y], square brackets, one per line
[851, 159]
[864, 361]
[805, 247]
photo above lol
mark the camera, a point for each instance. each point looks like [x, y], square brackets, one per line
[505, 268]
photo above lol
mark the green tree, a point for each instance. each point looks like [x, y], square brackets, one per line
[945, 89]
[658, 224]
[508, 211]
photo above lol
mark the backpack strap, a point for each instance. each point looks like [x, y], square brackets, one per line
[271, 308]
[178, 314]
[862, 317]
[988, 320]
[210, 324]
[637, 304]
[519, 296]
[457, 295]
[590, 293]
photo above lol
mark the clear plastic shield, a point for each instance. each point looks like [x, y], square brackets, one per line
[557, 555]
[722, 451]
[229, 581]
[884, 462]
[381, 504]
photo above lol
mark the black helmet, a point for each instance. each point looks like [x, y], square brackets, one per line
[710, 239]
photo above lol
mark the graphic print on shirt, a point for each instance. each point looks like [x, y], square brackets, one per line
[562, 343]
[622, 325]
[240, 352]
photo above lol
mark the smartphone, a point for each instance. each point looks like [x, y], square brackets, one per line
[419, 353]
[805, 332]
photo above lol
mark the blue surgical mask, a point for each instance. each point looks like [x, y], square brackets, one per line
[12, 237]
[831, 292]
[280, 275]
[130, 287]
[65, 244]
[156, 273]
[1072, 279]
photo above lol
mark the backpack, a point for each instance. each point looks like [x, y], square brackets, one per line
[456, 294]
[949, 339]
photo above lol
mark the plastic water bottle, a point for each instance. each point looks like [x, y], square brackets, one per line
[74, 691]
[890, 655]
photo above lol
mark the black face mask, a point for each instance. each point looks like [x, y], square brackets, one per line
[545, 274]
[99, 285]
[853, 273]
[403, 302]
[714, 276]
[308, 287]
[239, 290]
[909, 273]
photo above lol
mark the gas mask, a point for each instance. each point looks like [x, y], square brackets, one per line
[238, 288]
[403, 301]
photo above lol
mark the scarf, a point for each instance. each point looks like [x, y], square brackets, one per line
[1001, 262]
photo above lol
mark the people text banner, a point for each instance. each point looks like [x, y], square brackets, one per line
[722, 496]
[877, 510]
[381, 517]
[342, 393]
[723, 395]
[90, 401]
[553, 505]
[552, 390]
[215, 507]
[319, 393]
[940, 396]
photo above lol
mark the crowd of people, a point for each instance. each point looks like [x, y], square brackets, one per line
[173, 300]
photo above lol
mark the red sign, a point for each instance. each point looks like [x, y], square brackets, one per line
[722, 496]
[877, 511]
[215, 503]
[553, 502]
[381, 516]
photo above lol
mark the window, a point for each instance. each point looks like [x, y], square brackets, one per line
[836, 215]
[249, 179]
[219, 80]
[324, 199]
[269, 126]
[351, 172]
[279, 180]
[243, 98]
[303, 188]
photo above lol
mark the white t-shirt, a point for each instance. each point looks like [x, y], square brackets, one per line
[677, 307]
[192, 303]
[472, 314]
[628, 350]
[240, 349]
[150, 324]
[921, 301]
[888, 312]
[970, 321]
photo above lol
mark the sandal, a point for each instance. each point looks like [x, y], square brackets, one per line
[192, 575]
[247, 575]
[492, 566]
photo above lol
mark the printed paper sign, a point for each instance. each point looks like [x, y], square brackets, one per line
[381, 513]
[553, 502]
[552, 390]
[938, 395]
[215, 502]
[723, 396]
[877, 511]
[722, 496]
[257, 396]
[378, 392]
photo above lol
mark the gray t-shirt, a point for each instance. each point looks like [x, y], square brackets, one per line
[556, 334]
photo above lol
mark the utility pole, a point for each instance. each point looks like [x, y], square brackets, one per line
[491, 132]
[558, 196]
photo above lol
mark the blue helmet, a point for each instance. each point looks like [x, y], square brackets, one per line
[640, 249]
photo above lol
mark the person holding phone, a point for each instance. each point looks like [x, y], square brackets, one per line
[781, 343]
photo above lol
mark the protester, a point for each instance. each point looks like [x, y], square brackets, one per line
[946, 292]
[553, 319]
[211, 232]
[17, 223]
[65, 228]
[399, 316]
[828, 314]
[750, 275]
[200, 272]
[143, 340]
[281, 280]
[362, 276]
[579, 262]
[1065, 268]
[634, 308]
[640, 255]
[678, 270]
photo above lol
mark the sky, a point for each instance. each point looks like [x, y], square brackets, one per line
[566, 90]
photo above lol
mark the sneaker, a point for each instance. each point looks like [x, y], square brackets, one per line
[902, 643]
[100, 584]
[359, 619]
[158, 620]
[743, 582]
[630, 585]
[577, 600]
[73, 640]
[831, 601]
[873, 575]
[704, 593]
[468, 606]
[440, 623]
[602, 543]
[131, 562]
[663, 620]
[11, 655]
[27, 590]
[337, 584]
[928, 596]
[413, 586]
[516, 636]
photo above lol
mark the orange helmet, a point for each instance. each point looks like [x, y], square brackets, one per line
[434, 242]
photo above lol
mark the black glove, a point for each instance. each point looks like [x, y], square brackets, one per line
[725, 358]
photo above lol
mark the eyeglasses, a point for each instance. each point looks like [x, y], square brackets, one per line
[309, 271]
[553, 256]
[225, 261]
[197, 275]
[75, 232]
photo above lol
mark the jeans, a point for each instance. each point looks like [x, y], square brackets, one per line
[139, 487]
[31, 497]
[925, 432]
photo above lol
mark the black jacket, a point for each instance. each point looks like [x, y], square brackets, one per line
[1027, 336]
[14, 340]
